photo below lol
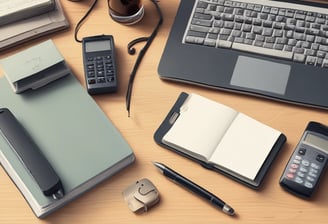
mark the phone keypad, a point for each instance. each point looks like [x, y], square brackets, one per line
[100, 69]
[303, 171]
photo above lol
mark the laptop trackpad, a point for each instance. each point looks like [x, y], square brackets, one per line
[260, 75]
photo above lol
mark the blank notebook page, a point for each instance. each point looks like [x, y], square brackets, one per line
[200, 126]
[245, 146]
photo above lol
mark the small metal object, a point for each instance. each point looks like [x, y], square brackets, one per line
[141, 195]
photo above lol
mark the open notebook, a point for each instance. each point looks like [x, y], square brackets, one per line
[220, 138]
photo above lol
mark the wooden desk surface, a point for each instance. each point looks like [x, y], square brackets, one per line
[151, 100]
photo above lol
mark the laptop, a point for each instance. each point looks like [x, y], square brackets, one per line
[210, 60]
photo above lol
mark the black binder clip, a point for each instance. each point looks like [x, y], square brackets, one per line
[141, 195]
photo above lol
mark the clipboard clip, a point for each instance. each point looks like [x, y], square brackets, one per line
[174, 117]
[30, 155]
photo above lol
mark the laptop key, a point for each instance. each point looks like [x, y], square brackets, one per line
[194, 40]
[202, 16]
[210, 42]
[223, 43]
[299, 58]
[261, 50]
[202, 22]
[200, 28]
[325, 63]
[310, 60]
[196, 34]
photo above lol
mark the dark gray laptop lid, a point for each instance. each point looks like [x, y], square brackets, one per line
[241, 72]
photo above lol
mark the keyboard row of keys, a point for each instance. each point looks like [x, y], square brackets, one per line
[301, 36]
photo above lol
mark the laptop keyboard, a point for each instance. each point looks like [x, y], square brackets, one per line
[297, 35]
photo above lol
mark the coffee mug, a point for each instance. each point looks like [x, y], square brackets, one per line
[127, 12]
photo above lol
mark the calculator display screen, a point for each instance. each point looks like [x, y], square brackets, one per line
[317, 141]
[100, 45]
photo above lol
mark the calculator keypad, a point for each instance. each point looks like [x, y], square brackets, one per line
[304, 172]
[100, 70]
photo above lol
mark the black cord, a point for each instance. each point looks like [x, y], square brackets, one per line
[131, 50]
[79, 24]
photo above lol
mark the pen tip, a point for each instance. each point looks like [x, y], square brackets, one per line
[228, 210]
[158, 166]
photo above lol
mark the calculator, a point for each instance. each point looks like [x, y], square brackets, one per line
[308, 162]
[99, 64]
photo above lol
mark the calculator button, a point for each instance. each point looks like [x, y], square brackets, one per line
[290, 176]
[294, 166]
[311, 179]
[110, 79]
[320, 158]
[308, 184]
[100, 67]
[303, 169]
[299, 180]
[313, 170]
[296, 161]
[312, 174]
[109, 67]
[302, 151]
[100, 73]
[91, 81]
[315, 166]
[291, 170]
[298, 157]
[305, 163]
[101, 80]
[91, 74]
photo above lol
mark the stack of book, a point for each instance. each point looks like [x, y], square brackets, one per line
[22, 20]
[80, 144]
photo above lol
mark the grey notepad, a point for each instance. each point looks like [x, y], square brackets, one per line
[73, 133]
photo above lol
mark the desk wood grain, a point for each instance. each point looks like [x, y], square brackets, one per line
[151, 100]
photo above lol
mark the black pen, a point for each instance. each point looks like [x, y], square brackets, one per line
[178, 178]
